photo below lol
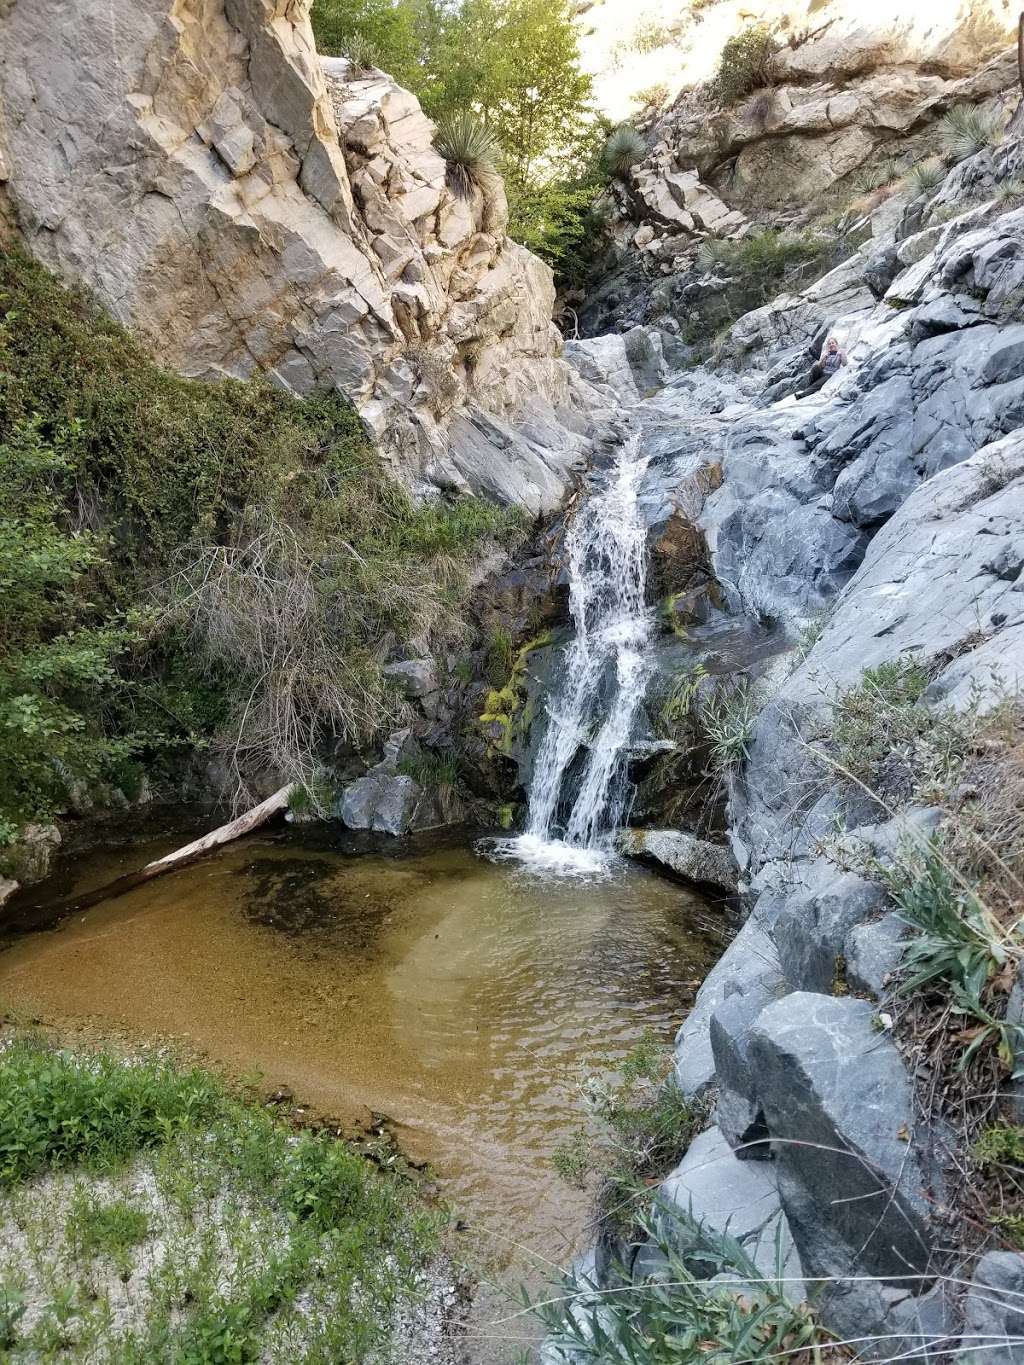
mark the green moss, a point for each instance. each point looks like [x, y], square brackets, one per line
[507, 707]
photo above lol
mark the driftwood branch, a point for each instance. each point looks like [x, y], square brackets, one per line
[234, 829]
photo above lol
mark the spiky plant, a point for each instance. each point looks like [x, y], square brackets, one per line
[470, 151]
[925, 177]
[968, 129]
[624, 148]
[362, 53]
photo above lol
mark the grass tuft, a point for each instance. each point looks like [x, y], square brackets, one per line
[624, 148]
[968, 129]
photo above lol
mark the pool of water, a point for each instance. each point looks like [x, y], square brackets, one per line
[458, 996]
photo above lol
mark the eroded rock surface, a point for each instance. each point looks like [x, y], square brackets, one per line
[248, 207]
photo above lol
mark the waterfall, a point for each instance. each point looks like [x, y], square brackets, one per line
[604, 672]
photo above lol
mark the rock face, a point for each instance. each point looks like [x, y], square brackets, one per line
[853, 89]
[694, 859]
[893, 499]
[248, 207]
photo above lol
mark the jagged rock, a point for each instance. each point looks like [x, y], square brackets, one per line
[994, 1313]
[738, 1113]
[416, 677]
[695, 859]
[839, 1108]
[29, 860]
[380, 801]
[711, 1187]
[276, 213]
[750, 959]
[811, 931]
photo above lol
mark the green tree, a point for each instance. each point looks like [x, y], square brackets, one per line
[57, 655]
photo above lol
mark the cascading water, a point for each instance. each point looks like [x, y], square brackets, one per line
[606, 667]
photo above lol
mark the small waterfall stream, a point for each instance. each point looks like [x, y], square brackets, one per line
[605, 671]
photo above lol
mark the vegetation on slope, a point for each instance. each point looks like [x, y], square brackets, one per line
[187, 562]
[147, 1214]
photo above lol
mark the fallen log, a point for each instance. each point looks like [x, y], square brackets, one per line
[170, 862]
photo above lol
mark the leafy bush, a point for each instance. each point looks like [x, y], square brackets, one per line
[470, 151]
[968, 129]
[58, 1111]
[956, 941]
[257, 531]
[624, 148]
[747, 64]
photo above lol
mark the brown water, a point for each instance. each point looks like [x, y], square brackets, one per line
[457, 996]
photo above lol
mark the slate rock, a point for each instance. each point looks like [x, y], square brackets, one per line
[839, 1107]
[994, 1312]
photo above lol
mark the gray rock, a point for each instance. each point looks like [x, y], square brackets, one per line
[417, 678]
[994, 1313]
[839, 1107]
[695, 859]
[739, 1114]
[750, 957]
[711, 1187]
[811, 931]
[872, 954]
[380, 801]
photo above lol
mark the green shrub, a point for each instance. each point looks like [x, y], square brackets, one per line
[881, 719]
[759, 262]
[968, 129]
[726, 718]
[470, 151]
[110, 1228]
[747, 64]
[624, 148]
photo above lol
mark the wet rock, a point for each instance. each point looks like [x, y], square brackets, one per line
[839, 1107]
[994, 1313]
[695, 859]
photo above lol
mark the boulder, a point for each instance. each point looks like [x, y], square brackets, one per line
[714, 1190]
[839, 1108]
[695, 860]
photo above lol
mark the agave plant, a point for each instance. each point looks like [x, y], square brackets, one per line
[469, 149]
[925, 177]
[624, 148]
[968, 129]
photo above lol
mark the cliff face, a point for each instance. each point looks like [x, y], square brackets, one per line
[247, 206]
[849, 94]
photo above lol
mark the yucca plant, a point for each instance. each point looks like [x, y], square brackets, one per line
[470, 151]
[968, 129]
[624, 148]
[925, 177]
[362, 53]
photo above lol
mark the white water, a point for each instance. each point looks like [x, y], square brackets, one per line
[605, 672]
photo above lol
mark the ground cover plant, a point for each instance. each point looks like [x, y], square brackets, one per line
[149, 1214]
